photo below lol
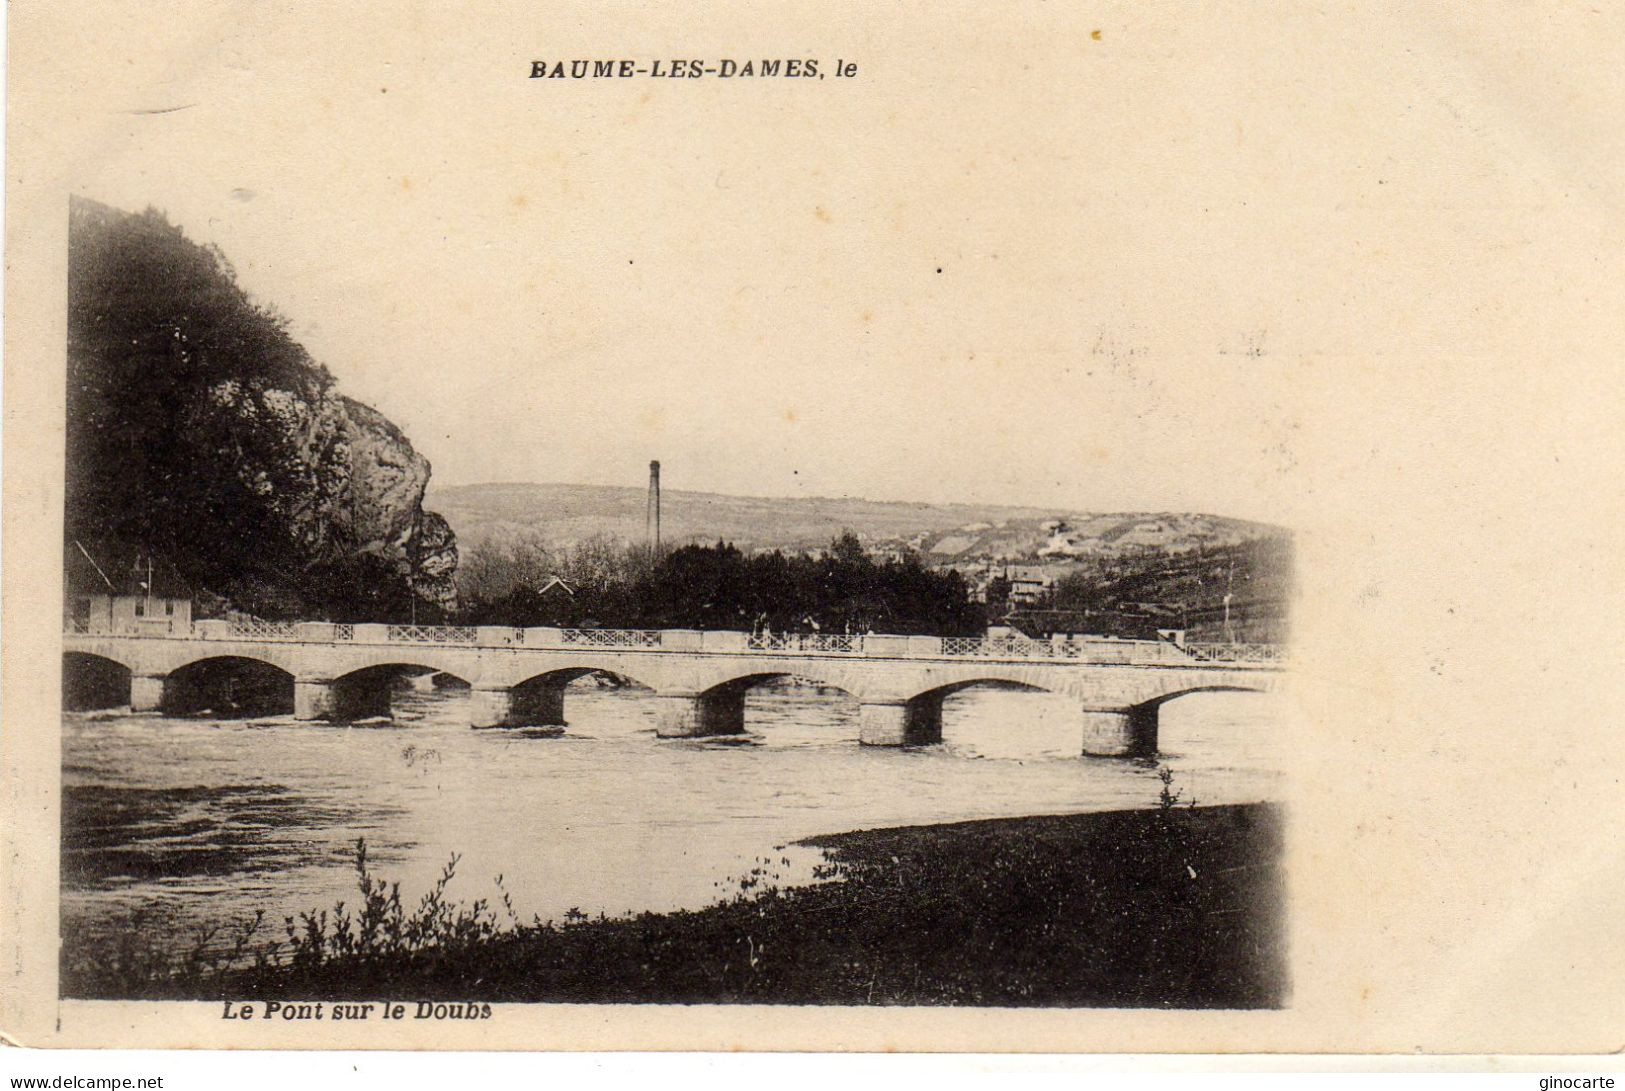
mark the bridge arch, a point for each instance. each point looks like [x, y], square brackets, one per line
[1135, 730]
[1238, 728]
[91, 680]
[538, 700]
[924, 713]
[563, 676]
[718, 676]
[104, 656]
[396, 668]
[228, 686]
[1207, 687]
[268, 656]
[722, 705]
[466, 664]
[364, 690]
[1118, 704]
[948, 689]
[742, 683]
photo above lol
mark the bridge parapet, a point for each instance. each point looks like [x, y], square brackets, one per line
[725, 641]
[1104, 650]
[804, 643]
[927, 647]
[611, 638]
[263, 630]
[433, 634]
[1236, 653]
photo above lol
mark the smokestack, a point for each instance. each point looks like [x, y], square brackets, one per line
[651, 519]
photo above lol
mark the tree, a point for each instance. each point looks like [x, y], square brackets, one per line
[998, 596]
[191, 432]
[719, 587]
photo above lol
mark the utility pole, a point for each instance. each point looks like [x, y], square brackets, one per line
[1229, 589]
[651, 515]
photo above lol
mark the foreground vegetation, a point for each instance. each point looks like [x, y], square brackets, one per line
[1173, 907]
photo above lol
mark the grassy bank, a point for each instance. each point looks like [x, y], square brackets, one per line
[1177, 907]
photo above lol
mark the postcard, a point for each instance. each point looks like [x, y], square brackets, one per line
[819, 527]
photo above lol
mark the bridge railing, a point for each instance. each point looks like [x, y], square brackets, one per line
[432, 634]
[1094, 650]
[1236, 653]
[805, 643]
[611, 638]
[244, 629]
[999, 647]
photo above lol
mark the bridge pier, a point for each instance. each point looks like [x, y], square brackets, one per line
[538, 706]
[677, 716]
[691, 716]
[901, 723]
[722, 711]
[338, 700]
[314, 699]
[516, 706]
[492, 707]
[1120, 732]
[147, 692]
[925, 719]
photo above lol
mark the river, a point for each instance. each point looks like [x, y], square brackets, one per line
[196, 821]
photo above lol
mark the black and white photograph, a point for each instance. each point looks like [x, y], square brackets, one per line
[334, 729]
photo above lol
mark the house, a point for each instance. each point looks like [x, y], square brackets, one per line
[147, 596]
[1027, 585]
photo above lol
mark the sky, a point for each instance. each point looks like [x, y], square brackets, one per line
[1083, 258]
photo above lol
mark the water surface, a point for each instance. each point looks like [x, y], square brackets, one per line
[192, 821]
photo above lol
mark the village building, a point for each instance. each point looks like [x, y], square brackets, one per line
[146, 596]
[1028, 585]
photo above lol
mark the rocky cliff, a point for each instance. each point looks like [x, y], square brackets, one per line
[199, 431]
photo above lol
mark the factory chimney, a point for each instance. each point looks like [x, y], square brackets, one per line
[651, 518]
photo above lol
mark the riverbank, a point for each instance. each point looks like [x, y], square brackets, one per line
[1176, 907]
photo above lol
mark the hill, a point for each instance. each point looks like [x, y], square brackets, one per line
[942, 533]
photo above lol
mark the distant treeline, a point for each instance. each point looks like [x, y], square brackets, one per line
[844, 589]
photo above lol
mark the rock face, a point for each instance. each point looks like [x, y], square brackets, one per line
[357, 492]
[379, 511]
[200, 432]
[435, 561]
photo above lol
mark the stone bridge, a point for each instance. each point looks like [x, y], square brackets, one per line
[518, 676]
